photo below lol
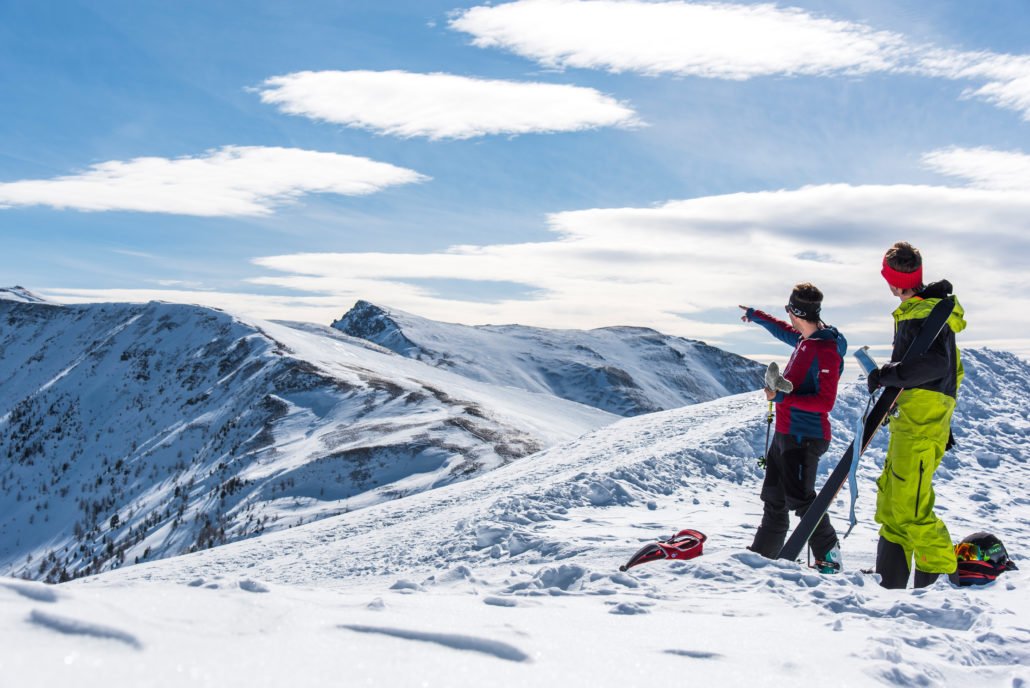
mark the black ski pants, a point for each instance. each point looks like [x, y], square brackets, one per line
[790, 486]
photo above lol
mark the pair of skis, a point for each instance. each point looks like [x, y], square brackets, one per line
[687, 543]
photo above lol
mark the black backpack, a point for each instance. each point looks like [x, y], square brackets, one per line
[981, 559]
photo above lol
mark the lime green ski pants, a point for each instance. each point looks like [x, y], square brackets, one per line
[905, 496]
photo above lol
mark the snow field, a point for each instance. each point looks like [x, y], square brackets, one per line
[729, 616]
[452, 586]
[511, 578]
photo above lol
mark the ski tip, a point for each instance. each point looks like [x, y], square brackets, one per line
[622, 568]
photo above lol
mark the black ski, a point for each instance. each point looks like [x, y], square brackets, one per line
[932, 326]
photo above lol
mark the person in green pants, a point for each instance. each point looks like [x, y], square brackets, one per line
[920, 429]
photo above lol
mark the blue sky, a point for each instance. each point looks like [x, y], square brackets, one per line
[670, 178]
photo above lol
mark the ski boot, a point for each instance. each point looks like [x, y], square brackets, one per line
[830, 562]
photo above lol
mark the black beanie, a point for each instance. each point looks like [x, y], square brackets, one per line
[804, 309]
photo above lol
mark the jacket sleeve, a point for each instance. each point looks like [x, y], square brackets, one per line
[932, 365]
[777, 328]
[827, 366]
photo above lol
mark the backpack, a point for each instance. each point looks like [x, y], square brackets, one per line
[981, 558]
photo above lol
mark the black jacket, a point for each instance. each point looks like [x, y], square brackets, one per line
[936, 370]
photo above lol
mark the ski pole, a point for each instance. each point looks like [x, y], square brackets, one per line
[768, 426]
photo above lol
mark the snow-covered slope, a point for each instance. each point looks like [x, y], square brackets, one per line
[624, 370]
[133, 432]
[511, 578]
[708, 449]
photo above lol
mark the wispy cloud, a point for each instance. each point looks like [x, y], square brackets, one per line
[442, 106]
[263, 306]
[983, 167]
[230, 181]
[133, 254]
[672, 266]
[728, 41]
[682, 267]
[710, 40]
[1007, 76]
[184, 284]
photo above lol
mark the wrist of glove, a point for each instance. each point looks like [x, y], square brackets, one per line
[873, 380]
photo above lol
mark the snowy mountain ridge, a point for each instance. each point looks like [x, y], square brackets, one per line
[130, 432]
[623, 370]
[708, 450]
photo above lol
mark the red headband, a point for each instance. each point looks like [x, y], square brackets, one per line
[902, 280]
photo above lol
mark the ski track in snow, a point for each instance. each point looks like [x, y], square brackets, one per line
[522, 563]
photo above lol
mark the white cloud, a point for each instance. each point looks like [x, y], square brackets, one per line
[440, 106]
[728, 41]
[134, 254]
[710, 40]
[262, 306]
[983, 167]
[184, 284]
[230, 181]
[1007, 76]
[682, 267]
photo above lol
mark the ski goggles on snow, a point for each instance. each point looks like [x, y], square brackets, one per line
[996, 554]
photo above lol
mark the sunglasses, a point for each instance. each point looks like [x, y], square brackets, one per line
[795, 311]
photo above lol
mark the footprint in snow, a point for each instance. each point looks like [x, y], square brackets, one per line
[69, 626]
[494, 648]
[37, 592]
[407, 586]
[457, 574]
[250, 585]
[628, 608]
[694, 654]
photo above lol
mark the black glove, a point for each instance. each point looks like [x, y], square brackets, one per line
[873, 380]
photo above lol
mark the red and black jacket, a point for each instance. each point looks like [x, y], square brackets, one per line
[814, 369]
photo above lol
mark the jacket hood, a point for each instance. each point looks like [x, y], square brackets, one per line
[833, 334]
[931, 295]
[936, 290]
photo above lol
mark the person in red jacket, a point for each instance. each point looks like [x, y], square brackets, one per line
[802, 424]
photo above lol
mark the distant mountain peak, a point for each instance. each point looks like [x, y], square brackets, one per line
[627, 370]
[17, 293]
[366, 320]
